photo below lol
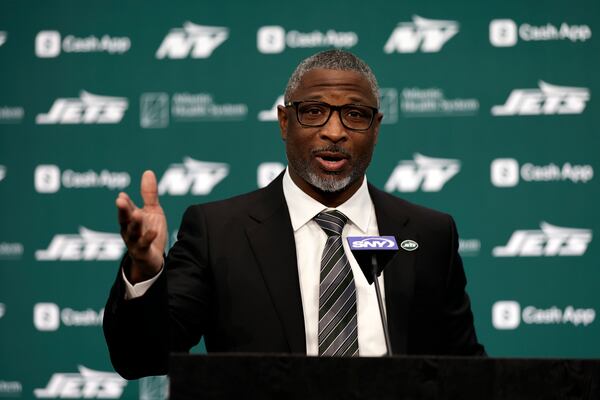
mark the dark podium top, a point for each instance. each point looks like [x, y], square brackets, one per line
[239, 376]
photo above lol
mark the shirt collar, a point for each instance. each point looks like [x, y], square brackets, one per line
[304, 208]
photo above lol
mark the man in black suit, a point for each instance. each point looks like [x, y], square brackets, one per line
[263, 272]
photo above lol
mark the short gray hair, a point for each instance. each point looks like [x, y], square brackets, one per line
[340, 60]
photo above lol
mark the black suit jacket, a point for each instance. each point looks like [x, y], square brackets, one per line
[232, 278]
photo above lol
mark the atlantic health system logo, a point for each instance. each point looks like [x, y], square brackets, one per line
[195, 41]
[11, 250]
[11, 114]
[422, 34]
[432, 102]
[156, 111]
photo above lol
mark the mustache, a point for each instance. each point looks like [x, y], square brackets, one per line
[333, 149]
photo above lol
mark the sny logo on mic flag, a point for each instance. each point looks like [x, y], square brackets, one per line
[372, 243]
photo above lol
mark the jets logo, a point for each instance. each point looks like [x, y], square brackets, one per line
[426, 173]
[549, 241]
[547, 100]
[88, 384]
[88, 245]
[192, 176]
[425, 35]
[87, 109]
[195, 41]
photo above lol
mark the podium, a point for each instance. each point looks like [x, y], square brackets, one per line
[252, 376]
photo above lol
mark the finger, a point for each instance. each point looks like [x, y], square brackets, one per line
[134, 228]
[128, 200]
[147, 238]
[125, 208]
[149, 189]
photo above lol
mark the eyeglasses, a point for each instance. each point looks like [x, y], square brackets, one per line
[356, 117]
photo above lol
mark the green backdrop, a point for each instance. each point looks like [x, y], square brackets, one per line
[490, 115]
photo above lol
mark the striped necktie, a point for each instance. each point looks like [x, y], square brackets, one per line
[337, 293]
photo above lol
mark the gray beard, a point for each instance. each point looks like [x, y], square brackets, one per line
[330, 184]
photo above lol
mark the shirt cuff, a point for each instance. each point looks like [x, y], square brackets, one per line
[140, 288]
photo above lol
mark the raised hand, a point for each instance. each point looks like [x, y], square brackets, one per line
[144, 230]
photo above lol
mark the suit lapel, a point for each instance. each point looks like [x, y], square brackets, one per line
[399, 274]
[272, 241]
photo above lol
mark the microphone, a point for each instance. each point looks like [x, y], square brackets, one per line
[373, 253]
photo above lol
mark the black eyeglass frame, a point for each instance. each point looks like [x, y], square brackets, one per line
[295, 104]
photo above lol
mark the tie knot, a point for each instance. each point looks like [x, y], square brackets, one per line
[332, 222]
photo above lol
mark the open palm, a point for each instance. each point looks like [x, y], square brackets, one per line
[144, 230]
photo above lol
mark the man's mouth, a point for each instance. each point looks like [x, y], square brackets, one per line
[331, 161]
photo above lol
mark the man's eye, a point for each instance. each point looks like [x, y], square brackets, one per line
[313, 112]
[355, 113]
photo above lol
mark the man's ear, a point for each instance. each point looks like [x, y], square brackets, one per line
[283, 121]
[376, 125]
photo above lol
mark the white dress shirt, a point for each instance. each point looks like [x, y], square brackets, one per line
[310, 242]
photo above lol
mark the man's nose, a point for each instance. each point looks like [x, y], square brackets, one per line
[334, 130]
